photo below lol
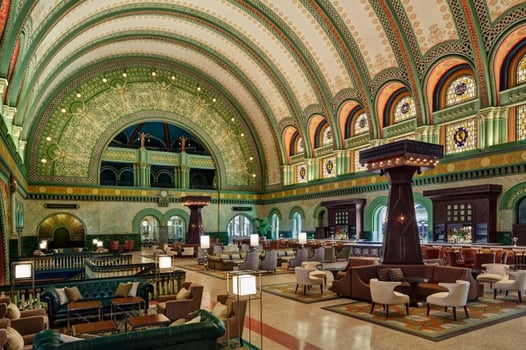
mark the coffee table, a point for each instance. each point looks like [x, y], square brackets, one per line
[95, 327]
[84, 309]
[146, 321]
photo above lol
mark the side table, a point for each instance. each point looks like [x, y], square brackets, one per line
[84, 309]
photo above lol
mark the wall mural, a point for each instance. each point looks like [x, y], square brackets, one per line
[82, 124]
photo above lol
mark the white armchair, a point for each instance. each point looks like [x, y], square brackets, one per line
[304, 278]
[516, 282]
[382, 292]
[493, 273]
[456, 296]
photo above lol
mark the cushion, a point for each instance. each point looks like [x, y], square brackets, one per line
[225, 256]
[68, 338]
[196, 319]
[383, 274]
[133, 289]
[235, 256]
[183, 294]
[73, 294]
[177, 322]
[13, 313]
[122, 290]
[15, 341]
[396, 274]
[220, 311]
[62, 295]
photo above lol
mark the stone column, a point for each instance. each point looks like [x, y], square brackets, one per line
[195, 226]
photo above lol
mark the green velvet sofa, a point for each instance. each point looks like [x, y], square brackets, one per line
[102, 289]
[201, 335]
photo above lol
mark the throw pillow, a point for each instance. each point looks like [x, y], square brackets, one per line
[73, 294]
[196, 319]
[63, 298]
[220, 310]
[15, 341]
[383, 274]
[177, 322]
[133, 289]
[396, 274]
[122, 290]
[13, 313]
[183, 294]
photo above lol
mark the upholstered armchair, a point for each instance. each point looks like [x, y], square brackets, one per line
[235, 319]
[516, 282]
[27, 327]
[305, 279]
[382, 292]
[187, 300]
[483, 258]
[251, 262]
[128, 245]
[319, 255]
[301, 256]
[115, 246]
[456, 296]
[270, 261]
[493, 273]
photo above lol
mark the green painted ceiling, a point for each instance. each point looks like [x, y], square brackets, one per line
[85, 70]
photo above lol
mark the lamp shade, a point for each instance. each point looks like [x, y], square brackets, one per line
[95, 240]
[302, 237]
[43, 244]
[254, 240]
[244, 284]
[205, 241]
[165, 262]
[23, 270]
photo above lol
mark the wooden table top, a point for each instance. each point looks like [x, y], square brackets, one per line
[84, 305]
[127, 300]
[148, 320]
[95, 327]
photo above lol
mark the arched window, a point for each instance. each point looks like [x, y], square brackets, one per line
[327, 136]
[405, 109]
[238, 227]
[149, 229]
[461, 89]
[361, 125]
[176, 225]
[521, 211]
[274, 226]
[296, 224]
[521, 71]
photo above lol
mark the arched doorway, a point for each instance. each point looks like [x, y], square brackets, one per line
[62, 230]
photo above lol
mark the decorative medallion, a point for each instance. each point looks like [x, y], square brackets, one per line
[405, 108]
[461, 88]
[329, 166]
[303, 171]
[362, 123]
[460, 137]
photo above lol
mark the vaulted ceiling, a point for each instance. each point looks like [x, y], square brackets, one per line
[236, 74]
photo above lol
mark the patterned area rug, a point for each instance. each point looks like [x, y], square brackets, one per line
[439, 325]
[222, 274]
[287, 290]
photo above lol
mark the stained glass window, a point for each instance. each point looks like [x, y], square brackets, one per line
[329, 167]
[405, 109]
[461, 137]
[461, 89]
[327, 136]
[521, 71]
[299, 146]
[361, 125]
[301, 173]
[521, 122]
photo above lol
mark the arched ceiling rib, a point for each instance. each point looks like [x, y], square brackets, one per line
[272, 63]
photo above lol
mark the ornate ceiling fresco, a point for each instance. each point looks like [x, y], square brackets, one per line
[237, 74]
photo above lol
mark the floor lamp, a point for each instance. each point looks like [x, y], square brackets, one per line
[164, 263]
[22, 271]
[246, 285]
[205, 245]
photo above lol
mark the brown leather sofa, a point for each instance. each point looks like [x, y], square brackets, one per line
[355, 283]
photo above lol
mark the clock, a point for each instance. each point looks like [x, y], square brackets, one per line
[164, 193]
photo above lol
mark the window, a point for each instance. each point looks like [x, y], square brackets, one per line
[149, 229]
[176, 226]
[361, 125]
[521, 71]
[327, 136]
[238, 227]
[275, 226]
[405, 109]
[521, 122]
[296, 224]
[461, 89]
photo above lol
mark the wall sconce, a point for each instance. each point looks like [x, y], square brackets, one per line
[254, 240]
[302, 238]
[401, 219]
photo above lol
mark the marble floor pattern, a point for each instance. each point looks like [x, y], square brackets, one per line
[288, 324]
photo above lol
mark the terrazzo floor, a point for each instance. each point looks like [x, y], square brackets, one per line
[288, 324]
